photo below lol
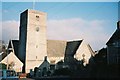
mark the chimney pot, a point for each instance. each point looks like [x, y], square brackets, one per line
[118, 25]
[45, 59]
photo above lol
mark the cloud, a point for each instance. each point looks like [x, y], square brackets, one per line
[5, 11]
[10, 30]
[92, 32]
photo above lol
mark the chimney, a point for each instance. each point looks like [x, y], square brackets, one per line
[45, 58]
[118, 25]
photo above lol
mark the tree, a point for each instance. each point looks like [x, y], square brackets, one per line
[2, 46]
[3, 66]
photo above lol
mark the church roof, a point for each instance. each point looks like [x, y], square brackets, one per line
[72, 47]
[56, 48]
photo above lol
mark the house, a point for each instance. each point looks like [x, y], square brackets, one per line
[13, 62]
[10, 58]
[113, 47]
[43, 69]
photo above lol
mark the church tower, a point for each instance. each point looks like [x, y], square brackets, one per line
[32, 45]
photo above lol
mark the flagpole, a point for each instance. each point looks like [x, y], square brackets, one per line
[33, 4]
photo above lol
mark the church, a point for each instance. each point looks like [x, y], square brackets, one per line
[33, 45]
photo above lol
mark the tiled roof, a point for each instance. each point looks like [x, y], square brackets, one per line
[56, 48]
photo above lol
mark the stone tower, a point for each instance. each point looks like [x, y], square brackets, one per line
[32, 45]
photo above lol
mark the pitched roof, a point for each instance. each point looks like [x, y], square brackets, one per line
[11, 57]
[115, 37]
[72, 47]
[56, 48]
[45, 63]
[91, 51]
[15, 46]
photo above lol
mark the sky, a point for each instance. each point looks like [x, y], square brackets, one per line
[94, 22]
[61, 0]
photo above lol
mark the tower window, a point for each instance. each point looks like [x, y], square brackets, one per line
[37, 29]
[36, 46]
[37, 18]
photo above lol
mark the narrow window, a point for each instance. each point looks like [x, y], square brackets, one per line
[36, 46]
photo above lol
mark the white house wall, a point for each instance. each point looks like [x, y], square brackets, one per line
[83, 49]
[12, 58]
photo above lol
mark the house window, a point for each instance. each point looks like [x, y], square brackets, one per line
[113, 43]
[116, 44]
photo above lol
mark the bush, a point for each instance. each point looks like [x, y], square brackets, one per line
[3, 66]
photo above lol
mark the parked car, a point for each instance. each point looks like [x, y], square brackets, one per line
[8, 74]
